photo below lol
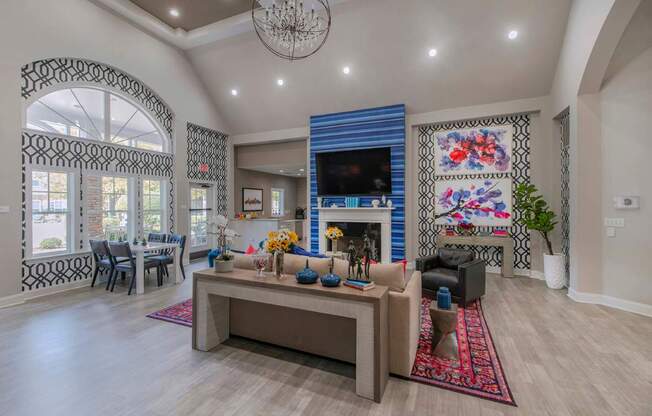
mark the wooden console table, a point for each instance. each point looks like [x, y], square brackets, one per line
[507, 244]
[211, 305]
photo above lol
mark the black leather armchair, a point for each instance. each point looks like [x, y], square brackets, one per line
[456, 269]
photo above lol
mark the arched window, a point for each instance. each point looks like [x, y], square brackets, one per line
[95, 114]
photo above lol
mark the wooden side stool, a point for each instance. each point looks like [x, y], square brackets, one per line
[444, 326]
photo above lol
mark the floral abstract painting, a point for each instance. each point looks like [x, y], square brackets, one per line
[481, 202]
[479, 150]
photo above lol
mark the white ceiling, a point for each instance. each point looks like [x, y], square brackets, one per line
[385, 42]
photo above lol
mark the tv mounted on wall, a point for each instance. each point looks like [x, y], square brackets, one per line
[354, 172]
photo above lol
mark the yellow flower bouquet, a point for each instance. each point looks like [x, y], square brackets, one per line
[333, 233]
[281, 240]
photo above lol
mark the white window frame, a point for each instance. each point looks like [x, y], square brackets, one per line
[210, 211]
[166, 144]
[281, 212]
[164, 203]
[72, 229]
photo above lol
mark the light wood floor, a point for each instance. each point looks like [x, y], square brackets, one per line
[89, 352]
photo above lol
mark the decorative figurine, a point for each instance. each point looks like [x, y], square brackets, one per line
[358, 274]
[367, 254]
[353, 255]
[383, 201]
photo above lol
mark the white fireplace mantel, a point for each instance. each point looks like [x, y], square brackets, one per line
[382, 216]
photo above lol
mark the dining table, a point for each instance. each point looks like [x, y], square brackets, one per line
[140, 251]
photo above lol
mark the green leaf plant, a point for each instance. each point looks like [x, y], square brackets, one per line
[535, 213]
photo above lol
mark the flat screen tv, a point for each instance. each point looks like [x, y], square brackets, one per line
[354, 172]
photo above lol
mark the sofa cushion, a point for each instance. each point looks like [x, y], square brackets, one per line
[450, 258]
[433, 279]
[293, 263]
[390, 275]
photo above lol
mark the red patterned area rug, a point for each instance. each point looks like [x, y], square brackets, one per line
[476, 371]
[181, 313]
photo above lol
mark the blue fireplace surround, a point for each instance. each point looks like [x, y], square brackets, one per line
[355, 130]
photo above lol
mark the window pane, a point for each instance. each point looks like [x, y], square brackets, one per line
[151, 223]
[121, 185]
[92, 102]
[107, 185]
[39, 201]
[40, 181]
[49, 233]
[199, 228]
[58, 202]
[114, 225]
[199, 198]
[58, 182]
[154, 187]
[121, 203]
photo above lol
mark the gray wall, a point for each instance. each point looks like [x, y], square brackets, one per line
[266, 181]
[626, 106]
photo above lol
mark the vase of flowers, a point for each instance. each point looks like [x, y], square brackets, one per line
[224, 262]
[278, 243]
[333, 234]
[465, 228]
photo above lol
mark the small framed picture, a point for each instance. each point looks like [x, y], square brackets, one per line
[252, 199]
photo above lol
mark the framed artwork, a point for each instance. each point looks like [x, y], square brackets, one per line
[480, 150]
[252, 199]
[481, 202]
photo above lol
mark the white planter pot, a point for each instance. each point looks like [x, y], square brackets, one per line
[553, 269]
[222, 266]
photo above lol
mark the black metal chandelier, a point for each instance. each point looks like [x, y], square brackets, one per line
[292, 29]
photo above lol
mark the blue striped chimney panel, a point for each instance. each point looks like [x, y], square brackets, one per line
[355, 130]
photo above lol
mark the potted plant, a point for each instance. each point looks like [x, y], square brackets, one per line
[536, 215]
[225, 260]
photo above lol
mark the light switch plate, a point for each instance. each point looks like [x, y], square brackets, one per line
[4, 209]
[614, 222]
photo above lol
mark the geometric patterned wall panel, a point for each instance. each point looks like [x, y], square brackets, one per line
[48, 72]
[427, 229]
[564, 124]
[53, 272]
[209, 147]
[358, 130]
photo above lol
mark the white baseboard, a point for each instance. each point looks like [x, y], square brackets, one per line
[610, 301]
[12, 300]
[21, 298]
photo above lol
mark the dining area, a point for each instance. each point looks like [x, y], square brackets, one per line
[159, 255]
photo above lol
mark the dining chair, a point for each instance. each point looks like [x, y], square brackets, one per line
[129, 266]
[167, 257]
[103, 259]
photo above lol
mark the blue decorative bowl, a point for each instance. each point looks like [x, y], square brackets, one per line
[330, 280]
[307, 276]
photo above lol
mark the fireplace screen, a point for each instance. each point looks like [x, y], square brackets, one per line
[355, 231]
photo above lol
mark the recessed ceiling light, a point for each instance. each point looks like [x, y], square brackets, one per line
[280, 82]
[302, 170]
[432, 53]
[512, 35]
[174, 12]
[234, 92]
[346, 70]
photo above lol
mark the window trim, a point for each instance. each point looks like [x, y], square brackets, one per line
[72, 226]
[282, 202]
[167, 142]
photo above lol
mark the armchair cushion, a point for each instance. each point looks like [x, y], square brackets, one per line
[435, 278]
[451, 258]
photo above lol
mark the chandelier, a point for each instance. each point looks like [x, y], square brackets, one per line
[292, 29]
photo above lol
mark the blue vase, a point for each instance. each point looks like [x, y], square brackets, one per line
[443, 298]
[307, 276]
[330, 280]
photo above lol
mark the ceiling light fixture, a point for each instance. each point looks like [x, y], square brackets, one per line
[289, 30]
[174, 12]
[432, 53]
[512, 35]
[234, 92]
[280, 82]
[346, 70]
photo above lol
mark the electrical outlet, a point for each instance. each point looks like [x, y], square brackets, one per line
[614, 222]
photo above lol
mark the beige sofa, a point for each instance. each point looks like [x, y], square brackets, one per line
[305, 331]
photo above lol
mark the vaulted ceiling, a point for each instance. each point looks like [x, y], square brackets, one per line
[386, 43]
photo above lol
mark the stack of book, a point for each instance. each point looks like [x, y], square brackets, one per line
[360, 284]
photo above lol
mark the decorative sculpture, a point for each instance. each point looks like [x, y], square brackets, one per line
[353, 256]
[367, 255]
